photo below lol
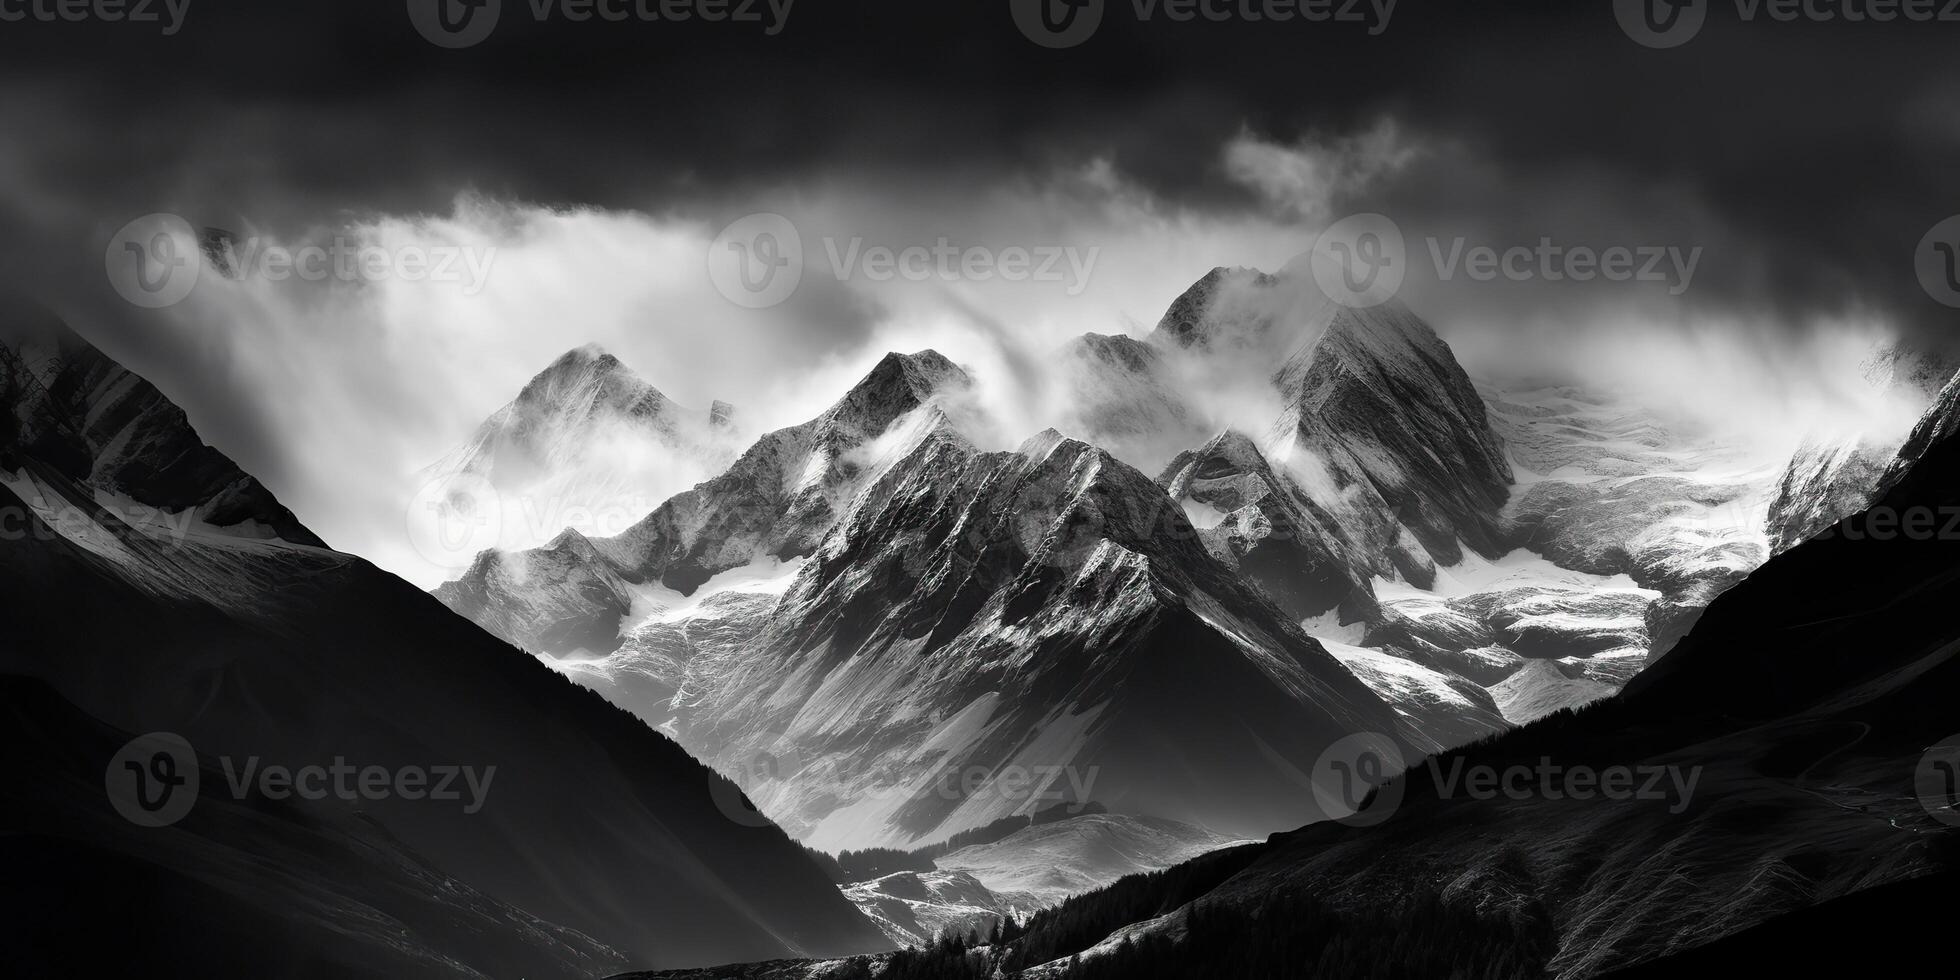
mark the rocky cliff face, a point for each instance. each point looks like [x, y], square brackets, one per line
[1398, 551]
[1827, 480]
[987, 633]
[1260, 521]
[1833, 476]
[596, 842]
[1379, 402]
[1939, 423]
[79, 414]
[1379, 423]
[1790, 732]
[1618, 493]
[774, 502]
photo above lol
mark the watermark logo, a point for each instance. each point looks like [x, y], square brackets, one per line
[453, 519]
[1023, 787]
[466, 23]
[1549, 261]
[1672, 23]
[1554, 781]
[761, 769]
[169, 14]
[455, 23]
[153, 262]
[153, 781]
[1937, 262]
[349, 783]
[1937, 781]
[757, 261]
[1360, 261]
[1057, 23]
[1028, 787]
[57, 520]
[157, 260]
[1661, 23]
[343, 259]
[1886, 523]
[1354, 779]
[1067, 23]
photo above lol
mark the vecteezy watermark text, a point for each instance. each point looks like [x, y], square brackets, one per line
[759, 261]
[1885, 523]
[1011, 787]
[1672, 23]
[1550, 780]
[347, 260]
[155, 779]
[1361, 780]
[71, 523]
[1552, 262]
[157, 260]
[343, 780]
[453, 518]
[1362, 261]
[168, 14]
[466, 23]
[1067, 23]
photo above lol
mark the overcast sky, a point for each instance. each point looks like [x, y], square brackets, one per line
[599, 160]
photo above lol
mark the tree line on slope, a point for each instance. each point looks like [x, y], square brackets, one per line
[1292, 933]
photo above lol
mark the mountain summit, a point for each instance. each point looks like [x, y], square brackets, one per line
[596, 845]
[586, 443]
[773, 502]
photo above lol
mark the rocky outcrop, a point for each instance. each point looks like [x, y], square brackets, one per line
[985, 634]
[1689, 540]
[66, 407]
[669, 660]
[1783, 735]
[1259, 521]
[1595, 640]
[1443, 707]
[1380, 409]
[774, 502]
[1827, 480]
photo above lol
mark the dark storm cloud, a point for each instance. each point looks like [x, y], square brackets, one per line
[1817, 154]
[1825, 146]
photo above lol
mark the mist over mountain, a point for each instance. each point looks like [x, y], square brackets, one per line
[1794, 720]
[259, 647]
[1025, 490]
[869, 617]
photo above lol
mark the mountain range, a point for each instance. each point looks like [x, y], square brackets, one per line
[152, 587]
[1797, 813]
[866, 605]
[876, 630]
